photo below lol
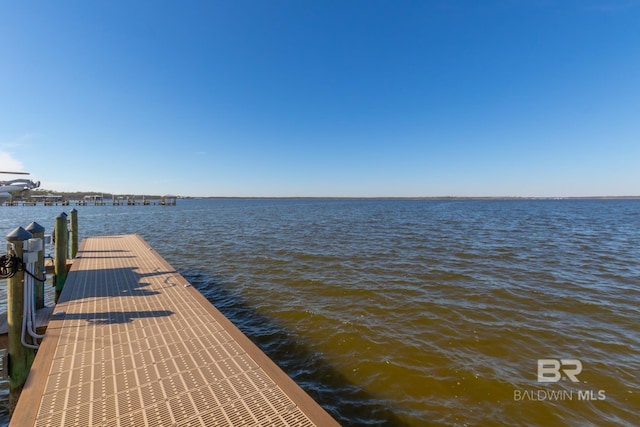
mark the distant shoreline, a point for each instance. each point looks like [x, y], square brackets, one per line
[78, 195]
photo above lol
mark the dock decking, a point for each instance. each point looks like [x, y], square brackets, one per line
[132, 343]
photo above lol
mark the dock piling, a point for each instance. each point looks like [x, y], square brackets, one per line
[38, 233]
[20, 357]
[73, 233]
[61, 249]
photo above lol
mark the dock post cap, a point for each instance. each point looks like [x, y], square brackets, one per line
[34, 227]
[72, 210]
[18, 235]
[62, 215]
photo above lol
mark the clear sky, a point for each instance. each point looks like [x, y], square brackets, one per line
[323, 98]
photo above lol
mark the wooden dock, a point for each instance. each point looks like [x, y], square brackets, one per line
[132, 343]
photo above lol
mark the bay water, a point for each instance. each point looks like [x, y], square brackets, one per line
[414, 312]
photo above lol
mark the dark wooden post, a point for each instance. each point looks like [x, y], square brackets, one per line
[60, 250]
[73, 233]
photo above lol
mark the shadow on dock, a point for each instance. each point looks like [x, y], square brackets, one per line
[106, 318]
[348, 403]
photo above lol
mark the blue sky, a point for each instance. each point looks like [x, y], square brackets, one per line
[323, 98]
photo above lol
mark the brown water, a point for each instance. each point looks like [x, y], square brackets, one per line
[428, 312]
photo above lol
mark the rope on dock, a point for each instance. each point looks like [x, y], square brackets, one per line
[11, 264]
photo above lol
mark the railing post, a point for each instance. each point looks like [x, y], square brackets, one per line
[20, 358]
[73, 233]
[61, 248]
[38, 233]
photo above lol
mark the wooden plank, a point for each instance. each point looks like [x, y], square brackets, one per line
[48, 266]
[133, 342]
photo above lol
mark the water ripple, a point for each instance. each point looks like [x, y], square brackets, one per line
[419, 312]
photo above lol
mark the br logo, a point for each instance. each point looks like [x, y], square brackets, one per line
[551, 370]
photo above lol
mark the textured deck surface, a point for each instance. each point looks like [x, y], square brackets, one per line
[131, 343]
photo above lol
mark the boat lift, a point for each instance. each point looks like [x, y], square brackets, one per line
[19, 184]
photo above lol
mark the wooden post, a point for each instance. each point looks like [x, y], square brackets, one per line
[73, 233]
[20, 357]
[60, 253]
[38, 233]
